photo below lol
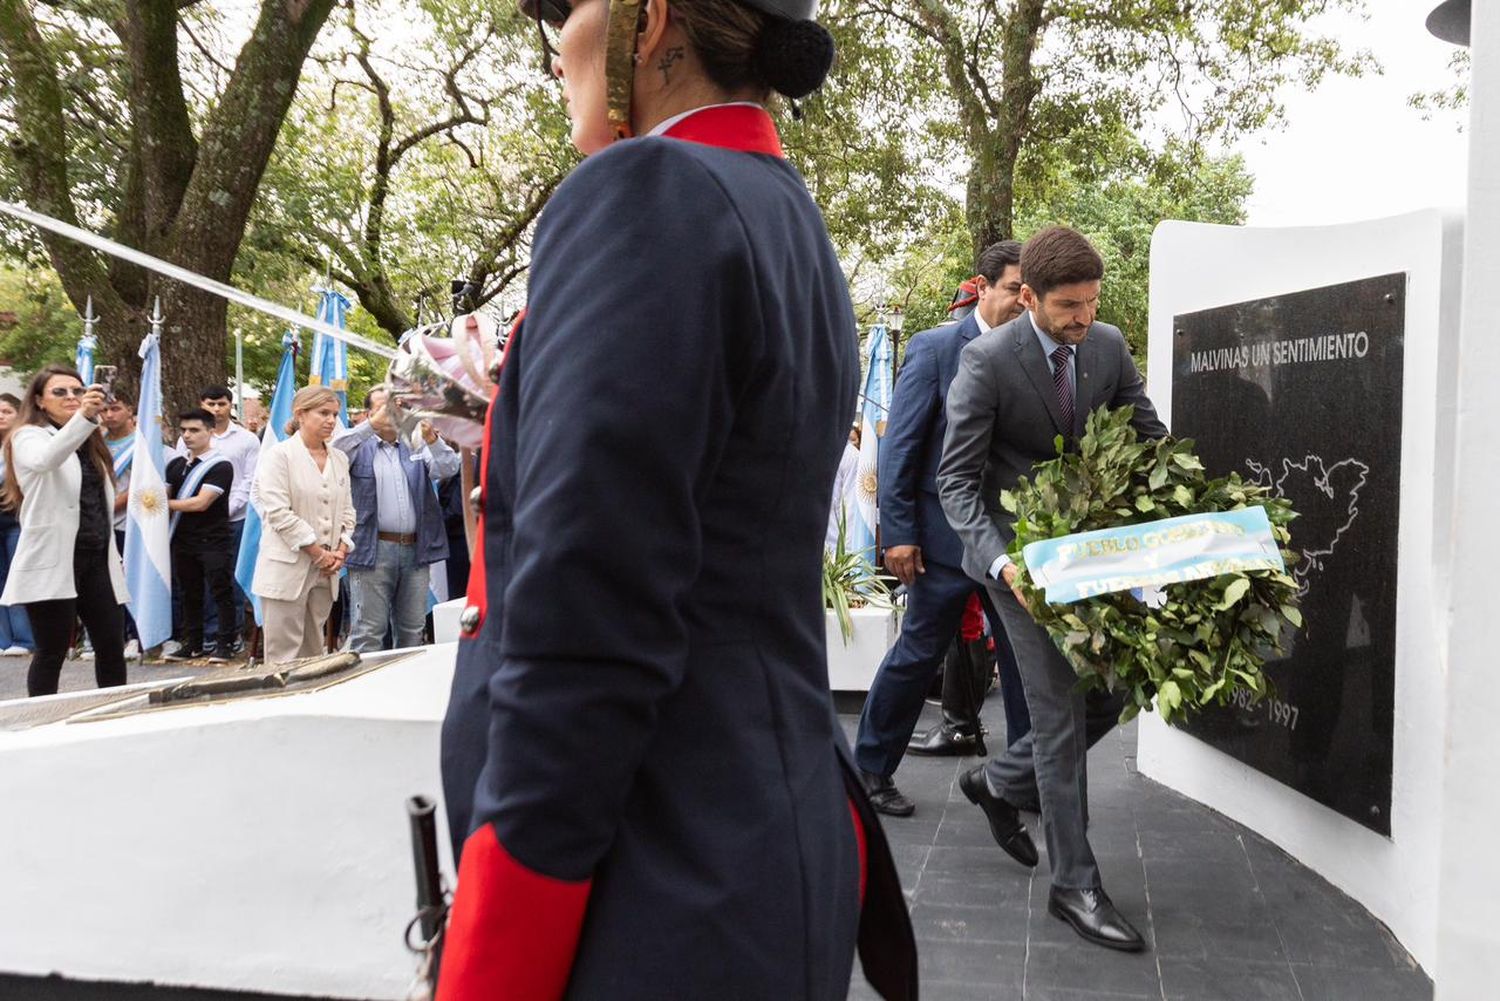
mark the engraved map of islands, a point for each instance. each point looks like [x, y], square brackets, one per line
[1327, 500]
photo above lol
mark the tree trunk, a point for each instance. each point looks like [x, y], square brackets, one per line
[192, 344]
[183, 200]
[990, 202]
[994, 124]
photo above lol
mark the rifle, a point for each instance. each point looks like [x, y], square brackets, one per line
[432, 896]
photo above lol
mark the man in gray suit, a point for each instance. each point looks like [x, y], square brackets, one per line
[1019, 386]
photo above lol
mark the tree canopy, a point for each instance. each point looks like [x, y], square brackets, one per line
[279, 144]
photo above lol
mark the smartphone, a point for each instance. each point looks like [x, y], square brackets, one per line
[104, 378]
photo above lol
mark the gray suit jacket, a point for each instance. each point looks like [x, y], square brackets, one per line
[1003, 416]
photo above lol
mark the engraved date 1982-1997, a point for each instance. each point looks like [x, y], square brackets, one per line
[1278, 712]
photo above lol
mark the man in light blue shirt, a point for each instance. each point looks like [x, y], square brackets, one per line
[398, 532]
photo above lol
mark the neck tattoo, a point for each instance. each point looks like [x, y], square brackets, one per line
[669, 59]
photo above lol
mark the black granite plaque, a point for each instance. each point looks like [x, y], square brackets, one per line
[1303, 392]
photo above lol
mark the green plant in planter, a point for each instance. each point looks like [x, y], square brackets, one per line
[1212, 637]
[851, 581]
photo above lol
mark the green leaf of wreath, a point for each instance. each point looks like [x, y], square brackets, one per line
[1211, 639]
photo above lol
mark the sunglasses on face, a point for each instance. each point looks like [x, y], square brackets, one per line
[63, 392]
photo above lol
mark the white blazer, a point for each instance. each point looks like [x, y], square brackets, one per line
[45, 465]
[299, 505]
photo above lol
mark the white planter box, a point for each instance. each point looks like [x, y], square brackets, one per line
[445, 620]
[852, 664]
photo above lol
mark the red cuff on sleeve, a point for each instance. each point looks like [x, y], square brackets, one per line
[971, 626]
[512, 933]
[859, 839]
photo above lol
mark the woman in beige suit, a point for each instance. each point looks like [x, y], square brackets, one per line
[302, 491]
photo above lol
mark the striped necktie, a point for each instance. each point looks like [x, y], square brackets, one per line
[1060, 359]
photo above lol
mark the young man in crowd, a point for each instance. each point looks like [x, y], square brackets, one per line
[199, 486]
[241, 449]
[400, 532]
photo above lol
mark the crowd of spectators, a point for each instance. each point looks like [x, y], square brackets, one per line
[353, 520]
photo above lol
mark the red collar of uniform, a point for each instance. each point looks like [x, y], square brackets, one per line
[745, 128]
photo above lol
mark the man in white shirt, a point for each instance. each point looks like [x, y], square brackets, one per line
[400, 530]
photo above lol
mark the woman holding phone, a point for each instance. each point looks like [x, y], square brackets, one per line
[60, 483]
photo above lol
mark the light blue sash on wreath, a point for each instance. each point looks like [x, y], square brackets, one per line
[1169, 551]
[191, 484]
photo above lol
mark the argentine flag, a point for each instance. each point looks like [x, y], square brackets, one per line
[275, 430]
[875, 405]
[148, 554]
[83, 358]
[330, 357]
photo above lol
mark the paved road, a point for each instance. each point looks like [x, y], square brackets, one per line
[78, 675]
[1229, 917]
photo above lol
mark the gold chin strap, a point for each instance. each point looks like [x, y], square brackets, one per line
[619, 63]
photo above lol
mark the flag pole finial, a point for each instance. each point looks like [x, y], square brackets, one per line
[156, 318]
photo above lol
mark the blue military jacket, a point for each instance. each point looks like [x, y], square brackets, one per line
[910, 511]
[642, 719]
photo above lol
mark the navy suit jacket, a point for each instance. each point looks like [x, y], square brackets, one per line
[911, 513]
[644, 712]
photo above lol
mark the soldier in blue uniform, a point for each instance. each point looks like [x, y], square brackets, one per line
[646, 783]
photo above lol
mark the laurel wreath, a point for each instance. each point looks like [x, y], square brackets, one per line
[1212, 637]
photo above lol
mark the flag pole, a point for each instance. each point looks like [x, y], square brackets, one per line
[239, 374]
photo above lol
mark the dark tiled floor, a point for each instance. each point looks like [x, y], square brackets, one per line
[1228, 916]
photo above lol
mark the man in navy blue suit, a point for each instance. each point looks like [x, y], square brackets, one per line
[925, 554]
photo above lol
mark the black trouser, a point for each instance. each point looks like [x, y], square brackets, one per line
[193, 565]
[102, 615]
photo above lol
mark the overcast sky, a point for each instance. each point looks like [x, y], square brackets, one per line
[1353, 149]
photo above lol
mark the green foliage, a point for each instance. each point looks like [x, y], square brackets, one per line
[1006, 84]
[46, 329]
[412, 159]
[1118, 202]
[1452, 98]
[849, 581]
[1213, 636]
[1109, 133]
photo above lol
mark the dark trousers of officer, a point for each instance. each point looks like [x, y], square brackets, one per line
[1052, 760]
[934, 606]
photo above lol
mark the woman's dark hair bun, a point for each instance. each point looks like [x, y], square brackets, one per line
[794, 57]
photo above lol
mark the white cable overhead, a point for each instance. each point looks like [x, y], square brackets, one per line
[187, 277]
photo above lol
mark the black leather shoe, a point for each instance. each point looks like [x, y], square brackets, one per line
[1093, 916]
[1005, 822]
[948, 741]
[884, 796]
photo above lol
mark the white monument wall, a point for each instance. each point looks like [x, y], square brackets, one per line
[1195, 267]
